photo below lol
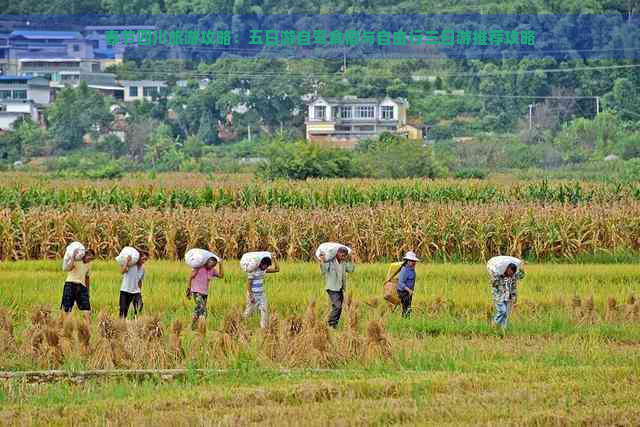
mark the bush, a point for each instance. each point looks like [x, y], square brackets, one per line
[631, 171]
[302, 160]
[629, 146]
[471, 173]
[395, 157]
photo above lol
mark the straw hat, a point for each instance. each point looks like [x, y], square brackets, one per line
[411, 256]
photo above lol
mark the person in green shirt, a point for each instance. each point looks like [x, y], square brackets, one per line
[335, 276]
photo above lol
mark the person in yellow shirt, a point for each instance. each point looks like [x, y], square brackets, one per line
[76, 286]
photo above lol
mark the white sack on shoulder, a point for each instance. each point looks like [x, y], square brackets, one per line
[128, 251]
[68, 259]
[496, 266]
[330, 249]
[196, 258]
[251, 260]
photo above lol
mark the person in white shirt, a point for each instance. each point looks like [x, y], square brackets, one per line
[131, 289]
[256, 298]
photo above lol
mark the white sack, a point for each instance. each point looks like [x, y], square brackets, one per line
[68, 260]
[329, 250]
[496, 266]
[128, 251]
[251, 260]
[196, 258]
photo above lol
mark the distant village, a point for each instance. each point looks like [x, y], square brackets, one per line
[36, 64]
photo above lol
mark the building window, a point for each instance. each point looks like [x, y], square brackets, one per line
[19, 94]
[365, 128]
[95, 68]
[133, 91]
[346, 112]
[149, 91]
[364, 112]
[5, 94]
[387, 112]
[320, 112]
[76, 48]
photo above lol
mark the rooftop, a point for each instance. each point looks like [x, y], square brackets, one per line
[44, 35]
[119, 27]
[355, 100]
[141, 82]
[25, 78]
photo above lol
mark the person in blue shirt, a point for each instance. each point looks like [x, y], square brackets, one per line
[407, 282]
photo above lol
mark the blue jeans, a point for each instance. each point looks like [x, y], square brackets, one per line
[502, 313]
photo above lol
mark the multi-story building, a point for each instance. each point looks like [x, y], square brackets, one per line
[20, 88]
[104, 83]
[12, 110]
[348, 120]
[137, 90]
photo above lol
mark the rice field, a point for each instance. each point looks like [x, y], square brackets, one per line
[569, 356]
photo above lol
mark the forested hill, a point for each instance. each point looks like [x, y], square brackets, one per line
[307, 6]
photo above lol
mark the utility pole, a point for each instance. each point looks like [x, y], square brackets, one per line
[530, 116]
[344, 61]
[597, 105]
[249, 132]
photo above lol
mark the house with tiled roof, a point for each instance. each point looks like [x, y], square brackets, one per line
[346, 121]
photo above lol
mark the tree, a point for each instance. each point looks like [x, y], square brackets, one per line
[77, 112]
[396, 157]
[302, 160]
[623, 100]
[31, 139]
[162, 152]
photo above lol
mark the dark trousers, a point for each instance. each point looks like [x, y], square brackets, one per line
[126, 299]
[405, 299]
[336, 298]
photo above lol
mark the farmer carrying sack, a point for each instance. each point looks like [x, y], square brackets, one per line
[390, 289]
[68, 259]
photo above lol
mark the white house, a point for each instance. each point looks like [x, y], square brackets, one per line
[347, 120]
[11, 110]
[137, 90]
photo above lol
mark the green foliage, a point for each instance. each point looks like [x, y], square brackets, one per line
[162, 153]
[632, 170]
[471, 173]
[79, 164]
[581, 138]
[76, 112]
[302, 160]
[111, 144]
[628, 146]
[395, 157]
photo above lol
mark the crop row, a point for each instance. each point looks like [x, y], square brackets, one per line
[435, 231]
[313, 194]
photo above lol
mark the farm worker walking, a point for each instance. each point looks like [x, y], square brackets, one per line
[505, 273]
[198, 287]
[407, 282]
[76, 286]
[256, 298]
[131, 288]
[335, 275]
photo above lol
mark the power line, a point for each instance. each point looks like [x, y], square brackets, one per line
[332, 75]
